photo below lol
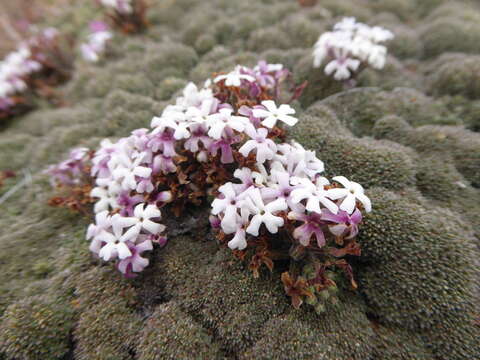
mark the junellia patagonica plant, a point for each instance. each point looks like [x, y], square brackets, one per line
[126, 15]
[226, 141]
[350, 48]
[40, 62]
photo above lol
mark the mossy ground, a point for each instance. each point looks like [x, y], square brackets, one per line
[402, 133]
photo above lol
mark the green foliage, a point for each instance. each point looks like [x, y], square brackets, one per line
[36, 328]
[343, 332]
[448, 34]
[459, 75]
[108, 326]
[171, 334]
[404, 9]
[371, 164]
[452, 142]
[406, 43]
[421, 273]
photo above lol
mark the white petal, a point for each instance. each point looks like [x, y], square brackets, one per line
[254, 225]
[238, 242]
[123, 251]
[348, 204]
[142, 171]
[151, 227]
[247, 147]
[337, 193]
[365, 201]
[269, 122]
[260, 113]
[342, 180]
[270, 105]
[151, 211]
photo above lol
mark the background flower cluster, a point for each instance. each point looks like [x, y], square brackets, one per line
[349, 47]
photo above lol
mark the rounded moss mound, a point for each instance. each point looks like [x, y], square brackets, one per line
[452, 142]
[361, 160]
[108, 326]
[406, 43]
[421, 272]
[359, 109]
[15, 151]
[171, 334]
[465, 109]
[342, 333]
[36, 328]
[447, 34]
[459, 76]
[404, 9]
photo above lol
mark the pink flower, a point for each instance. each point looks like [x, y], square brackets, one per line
[345, 225]
[135, 263]
[264, 147]
[312, 224]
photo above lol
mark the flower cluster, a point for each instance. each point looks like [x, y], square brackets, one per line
[14, 69]
[249, 86]
[97, 41]
[227, 139]
[349, 47]
[121, 6]
[72, 179]
[37, 64]
[126, 15]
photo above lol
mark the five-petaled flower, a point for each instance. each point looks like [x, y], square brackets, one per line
[350, 193]
[271, 114]
[235, 77]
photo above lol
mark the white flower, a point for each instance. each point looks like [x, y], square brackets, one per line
[145, 214]
[351, 192]
[269, 68]
[105, 202]
[264, 147]
[341, 67]
[264, 213]
[102, 223]
[234, 78]
[349, 44]
[192, 96]
[272, 114]
[89, 53]
[128, 168]
[95, 45]
[248, 178]
[115, 240]
[239, 240]
[200, 115]
[122, 6]
[315, 194]
[377, 56]
[228, 206]
[297, 161]
[326, 44]
[347, 24]
[224, 119]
